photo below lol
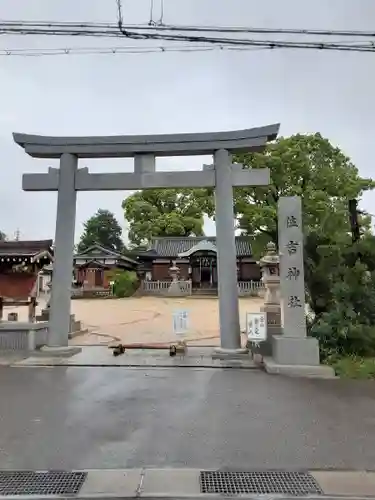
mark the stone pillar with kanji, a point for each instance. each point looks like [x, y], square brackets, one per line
[293, 347]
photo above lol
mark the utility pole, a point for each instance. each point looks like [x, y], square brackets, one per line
[17, 235]
[353, 217]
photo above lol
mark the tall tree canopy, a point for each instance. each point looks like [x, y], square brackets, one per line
[2, 236]
[102, 228]
[307, 166]
[164, 212]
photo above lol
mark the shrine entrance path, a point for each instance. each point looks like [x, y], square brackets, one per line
[148, 320]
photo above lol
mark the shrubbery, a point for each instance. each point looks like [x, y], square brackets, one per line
[340, 279]
[125, 284]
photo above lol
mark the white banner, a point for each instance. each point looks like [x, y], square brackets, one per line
[180, 322]
[256, 327]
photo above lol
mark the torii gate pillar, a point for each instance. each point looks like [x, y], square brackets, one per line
[68, 179]
[59, 318]
[230, 334]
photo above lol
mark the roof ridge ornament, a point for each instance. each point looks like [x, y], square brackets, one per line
[201, 246]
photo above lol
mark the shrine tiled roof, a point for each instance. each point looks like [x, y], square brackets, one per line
[172, 247]
[97, 251]
[25, 248]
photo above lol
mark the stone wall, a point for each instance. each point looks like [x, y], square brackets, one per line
[22, 336]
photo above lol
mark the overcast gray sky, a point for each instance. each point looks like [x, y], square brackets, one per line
[332, 93]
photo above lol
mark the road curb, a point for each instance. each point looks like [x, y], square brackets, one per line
[184, 483]
[130, 365]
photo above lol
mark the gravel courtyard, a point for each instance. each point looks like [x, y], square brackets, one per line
[149, 319]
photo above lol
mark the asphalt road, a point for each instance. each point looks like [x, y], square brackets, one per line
[53, 418]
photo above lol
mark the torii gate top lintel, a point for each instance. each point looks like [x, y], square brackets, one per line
[122, 146]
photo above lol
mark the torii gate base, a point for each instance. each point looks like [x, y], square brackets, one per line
[223, 176]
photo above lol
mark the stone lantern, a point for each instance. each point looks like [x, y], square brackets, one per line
[174, 288]
[174, 271]
[269, 265]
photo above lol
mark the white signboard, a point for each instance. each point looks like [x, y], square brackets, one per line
[256, 327]
[180, 322]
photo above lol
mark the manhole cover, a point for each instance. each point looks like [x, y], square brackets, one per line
[41, 483]
[261, 483]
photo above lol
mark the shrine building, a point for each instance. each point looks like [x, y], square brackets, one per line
[94, 267]
[196, 258]
[20, 264]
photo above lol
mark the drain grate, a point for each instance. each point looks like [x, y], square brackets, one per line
[41, 483]
[261, 483]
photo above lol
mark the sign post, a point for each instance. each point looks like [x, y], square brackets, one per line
[256, 329]
[180, 328]
[180, 323]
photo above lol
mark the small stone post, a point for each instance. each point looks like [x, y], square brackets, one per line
[32, 310]
[45, 312]
[271, 278]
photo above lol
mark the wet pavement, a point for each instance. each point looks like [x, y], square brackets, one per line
[90, 356]
[120, 417]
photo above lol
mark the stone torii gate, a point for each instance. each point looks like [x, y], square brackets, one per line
[222, 175]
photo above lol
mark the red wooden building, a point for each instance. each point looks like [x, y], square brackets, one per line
[20, 263]
[93, 266]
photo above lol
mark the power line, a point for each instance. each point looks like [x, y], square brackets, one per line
[151, 21]
[119, 13]
[120, 18]
[182, 28]
[279, 31]
[119, 50]
[161, 33]
[161, 19]
[271, 44]
[28, 52]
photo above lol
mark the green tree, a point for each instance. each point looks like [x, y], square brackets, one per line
[126, 284]
[344, 320]
[104, 229]
[340, 276]
[165, 212]
[2, 236]
[307, 166]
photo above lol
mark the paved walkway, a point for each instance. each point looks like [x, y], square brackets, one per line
[94, 418]
[91, 356]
